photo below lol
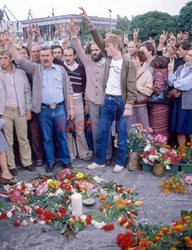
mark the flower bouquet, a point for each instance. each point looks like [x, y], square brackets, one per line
[186, 155]
[157, 152]
[136, 144]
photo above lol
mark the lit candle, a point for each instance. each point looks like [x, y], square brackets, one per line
[77, 204]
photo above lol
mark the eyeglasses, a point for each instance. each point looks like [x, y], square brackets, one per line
[189, 54]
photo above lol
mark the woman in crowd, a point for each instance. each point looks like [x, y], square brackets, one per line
[158, 113]
[6, 177]
[144, 89]
[181, 113]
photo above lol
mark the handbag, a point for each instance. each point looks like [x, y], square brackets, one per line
[141, 98]
[174, 93]
[162, 98]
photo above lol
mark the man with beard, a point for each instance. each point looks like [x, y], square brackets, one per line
[94, 92]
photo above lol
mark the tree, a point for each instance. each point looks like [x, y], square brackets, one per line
[84, 33]
[122, 25]
[151, 24]
[184, 20]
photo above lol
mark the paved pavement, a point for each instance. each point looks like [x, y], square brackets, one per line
[157, 208]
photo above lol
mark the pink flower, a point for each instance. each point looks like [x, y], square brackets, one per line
[188, 179]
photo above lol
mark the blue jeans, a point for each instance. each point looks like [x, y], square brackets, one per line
[51, 119]
[112, 109]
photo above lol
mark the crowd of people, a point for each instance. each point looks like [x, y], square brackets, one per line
[48, 95]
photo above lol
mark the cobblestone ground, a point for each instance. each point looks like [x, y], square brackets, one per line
[157, 208]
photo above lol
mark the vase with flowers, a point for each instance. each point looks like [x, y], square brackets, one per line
[160, 155]
[136, 144]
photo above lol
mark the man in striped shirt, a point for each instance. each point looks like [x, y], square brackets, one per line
[77, 77]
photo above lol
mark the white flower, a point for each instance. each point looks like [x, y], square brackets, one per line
[148, 147]
[19, 184]
[162, 150]
[73, 190]
[51, 194]
[168, 167]
[59, 191]
[24, 223]
[49, 181]
[83, 217]
[153, 157]
[29, 186]
[97, 224]
[31, 220]
[42, 222]
[98, 179]
[9, 214]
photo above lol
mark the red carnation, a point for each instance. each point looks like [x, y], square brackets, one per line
[89, 219]
[16, 223]
[122, 221]
[62, 211]
[108, 227]
[3, 216]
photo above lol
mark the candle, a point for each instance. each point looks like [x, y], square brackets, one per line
[77, 204]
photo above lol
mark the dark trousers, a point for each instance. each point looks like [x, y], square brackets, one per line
[36, 137]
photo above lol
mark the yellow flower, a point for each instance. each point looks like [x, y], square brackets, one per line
[187, 218]
[53, 184]
[120, 218]
[80, 175]
[178, 228]
[165, 229]
[139, 203]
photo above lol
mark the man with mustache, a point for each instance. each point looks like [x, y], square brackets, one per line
[77, 77]
[52, 100]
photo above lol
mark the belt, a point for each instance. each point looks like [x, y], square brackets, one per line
[52, 106]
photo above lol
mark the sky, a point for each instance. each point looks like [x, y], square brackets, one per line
[129, 8]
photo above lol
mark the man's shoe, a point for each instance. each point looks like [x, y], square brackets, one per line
[95, 165]
[67, 165]
[30, 168]
[87, 158]
[49, 169]
[118, 168]
[13, 171]
[39, 163]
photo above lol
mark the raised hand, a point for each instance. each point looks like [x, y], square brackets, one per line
[171, 65]
[30, 31]
[72, 28]
[180, 36]
[135, 34]
[172, 37]
[36, 30]
[8, 37]
[186, 35]
[84, 15]
[163, 37]
[151, 40]
[125, 39]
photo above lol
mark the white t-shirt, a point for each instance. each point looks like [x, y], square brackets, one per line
[114, 80]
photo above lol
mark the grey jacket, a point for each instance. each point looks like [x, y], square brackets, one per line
[186, 95]
[2, 123]
[22, 88]
[36, 71]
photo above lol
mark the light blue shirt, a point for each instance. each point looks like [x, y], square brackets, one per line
[181, 83]
[52, 87]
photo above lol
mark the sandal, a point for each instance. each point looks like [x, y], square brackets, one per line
[5, 181]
